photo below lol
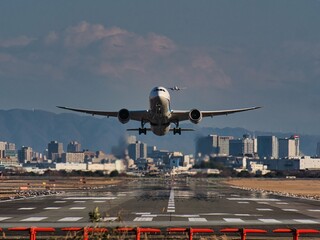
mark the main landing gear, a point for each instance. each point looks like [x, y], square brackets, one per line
[177, 130]
[142, 129]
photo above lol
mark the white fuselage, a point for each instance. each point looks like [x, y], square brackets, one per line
[159, 113]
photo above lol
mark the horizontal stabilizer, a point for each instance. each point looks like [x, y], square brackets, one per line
[183, 129]
[138, 129]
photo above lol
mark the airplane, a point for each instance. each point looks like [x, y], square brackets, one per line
[176, 88]
[160, 116]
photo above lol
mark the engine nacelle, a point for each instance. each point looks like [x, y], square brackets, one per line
[195, 116]
[124, 115]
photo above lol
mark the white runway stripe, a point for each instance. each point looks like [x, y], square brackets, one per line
[60, 201]
[4, 218]
[314, 210]
[52, 208]
[264, 209]
[77, 208]
[171, 205]
[233, 220]
[197, 220]
[26, 208]
[70, 219]
[305, 221]
[143, 219]
[289, 210]
[33, 219]
[269, 220]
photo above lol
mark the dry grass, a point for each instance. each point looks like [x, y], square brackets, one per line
[9, 187]
[291, 186]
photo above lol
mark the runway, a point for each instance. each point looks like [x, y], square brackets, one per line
[163, 203]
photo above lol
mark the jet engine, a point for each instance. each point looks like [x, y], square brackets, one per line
[195, 116]
[124, 115]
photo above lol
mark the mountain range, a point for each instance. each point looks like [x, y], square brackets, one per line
[36, 128]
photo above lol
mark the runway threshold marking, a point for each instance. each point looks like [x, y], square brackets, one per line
[264, 209]
[233, 220]
[143, 219]
[304, 221]
[26, 208]
[289, 210]
[33, 219]
[269, 220]
[313, 210]
[197, 219]
[70, 219]
[77, 208]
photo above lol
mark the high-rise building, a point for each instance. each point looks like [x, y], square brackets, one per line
[207, 145]
[137, 150]
[289, 147]
[55, 149]
[11, 146]
[241, 147]
[267, 146]
[236, 147]
[25, 154]
[213, 145]
[2, 149]
[74, 147]
[223, 145]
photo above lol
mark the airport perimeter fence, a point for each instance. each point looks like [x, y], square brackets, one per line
[137, 233]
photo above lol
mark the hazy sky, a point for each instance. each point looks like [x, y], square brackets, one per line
[108, 55]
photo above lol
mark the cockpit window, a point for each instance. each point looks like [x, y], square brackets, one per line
[159, 90]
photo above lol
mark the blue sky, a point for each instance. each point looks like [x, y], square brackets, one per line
[108, 55]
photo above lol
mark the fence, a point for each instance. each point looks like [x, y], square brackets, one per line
[190, 232]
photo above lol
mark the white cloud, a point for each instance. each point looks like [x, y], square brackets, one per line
[84, 34]
[20, 41]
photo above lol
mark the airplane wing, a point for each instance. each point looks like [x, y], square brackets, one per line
[180, 115]
[134, 115]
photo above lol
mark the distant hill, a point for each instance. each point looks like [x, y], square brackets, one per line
[37, 128]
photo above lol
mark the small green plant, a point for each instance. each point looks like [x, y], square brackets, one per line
[95, 215]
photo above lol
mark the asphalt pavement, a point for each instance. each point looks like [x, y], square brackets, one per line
[163, 203]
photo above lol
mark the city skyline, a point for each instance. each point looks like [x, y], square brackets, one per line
[36, 128]
[212, 145]
[227, 54]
